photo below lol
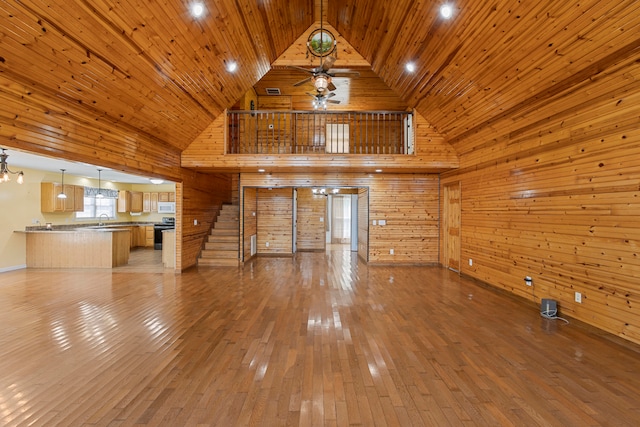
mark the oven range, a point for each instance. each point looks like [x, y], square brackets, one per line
[167, 223]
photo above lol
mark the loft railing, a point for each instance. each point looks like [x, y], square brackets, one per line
[309, 132]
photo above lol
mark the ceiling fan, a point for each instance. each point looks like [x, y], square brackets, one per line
[322, 76]
[322, 42]
[320, 100]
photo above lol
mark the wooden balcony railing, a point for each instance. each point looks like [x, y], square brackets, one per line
[308, 132]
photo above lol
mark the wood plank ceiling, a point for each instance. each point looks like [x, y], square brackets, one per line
[154, 69]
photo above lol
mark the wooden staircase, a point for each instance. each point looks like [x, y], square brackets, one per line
[223, 243]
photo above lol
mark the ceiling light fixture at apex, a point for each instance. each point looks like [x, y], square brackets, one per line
[446, 11]
[4, 169]
[410, 67]
[197, 10]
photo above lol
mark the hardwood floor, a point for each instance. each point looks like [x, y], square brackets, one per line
[318, 339]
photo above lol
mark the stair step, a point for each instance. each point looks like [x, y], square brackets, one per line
[218, 262]
[219, 254]
[226, 225]
[223, 232]
[223, 246]
[223, 239]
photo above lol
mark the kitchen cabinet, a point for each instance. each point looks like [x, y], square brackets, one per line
[124, 201]
[148, 236]
[49, 201]
[154, 202]
[163, 197]
[146, 202]
[130, 201]
[136, 201]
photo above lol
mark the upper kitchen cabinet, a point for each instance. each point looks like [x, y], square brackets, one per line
[130, 201]
[49, 201]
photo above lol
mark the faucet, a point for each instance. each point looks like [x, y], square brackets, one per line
[100, 223]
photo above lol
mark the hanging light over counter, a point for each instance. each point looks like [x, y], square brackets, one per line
[62, 195]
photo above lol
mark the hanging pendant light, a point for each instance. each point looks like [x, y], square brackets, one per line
[4, 169]
[99, 195]
[62, 195]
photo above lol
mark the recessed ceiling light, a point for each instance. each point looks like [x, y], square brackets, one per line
[197, 10]
[446, 11]
[410, 67]
[232, 66]
[378, 170]
[261, 170]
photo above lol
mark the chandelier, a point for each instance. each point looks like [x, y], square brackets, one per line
[4, 169]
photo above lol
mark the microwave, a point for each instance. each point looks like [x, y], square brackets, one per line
[166, 207]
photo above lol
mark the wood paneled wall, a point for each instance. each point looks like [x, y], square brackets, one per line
[202, 199]
[407, 202]
[311, 214]
[249, 227]
[552, 191]
[275, 221]
[363, 223]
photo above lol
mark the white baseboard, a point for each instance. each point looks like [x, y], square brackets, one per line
[13, 267]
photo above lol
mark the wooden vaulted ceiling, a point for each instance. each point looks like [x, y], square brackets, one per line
[152, 69]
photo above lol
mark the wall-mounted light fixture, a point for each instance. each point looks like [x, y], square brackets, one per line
[61, 195]
[4, 169]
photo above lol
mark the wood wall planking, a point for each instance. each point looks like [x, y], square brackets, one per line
[407, 202]
[275, 221]
[249, 213]
[363, 223]
[310, 224]
[202, 198]
[553, 194]
[40, 123]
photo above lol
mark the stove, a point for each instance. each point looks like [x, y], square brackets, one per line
[168, 223]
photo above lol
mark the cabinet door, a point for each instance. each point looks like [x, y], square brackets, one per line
[136, 201]
[163, 197]
[172, 197]
[79, 199]
[154, 202]
[70, 201]
[123, 201]
[149, 236]
[146, 202]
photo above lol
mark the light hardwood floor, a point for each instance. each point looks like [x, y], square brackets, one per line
[319, 339]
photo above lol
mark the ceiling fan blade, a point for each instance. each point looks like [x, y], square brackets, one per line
[331, 86]
[340, 73]
[295, 67]
[333, 101]
[332, 94]
[301, 82]
[328, 63]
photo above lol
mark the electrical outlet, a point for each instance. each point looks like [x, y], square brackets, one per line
[578, 297]
[528, 281]
[391, 251]
[195, 222]
[470, 261]
[266, 244]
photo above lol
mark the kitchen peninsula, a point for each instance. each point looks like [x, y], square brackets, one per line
[78, 248]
